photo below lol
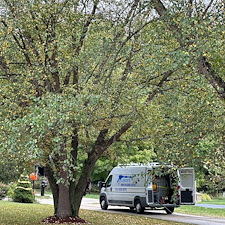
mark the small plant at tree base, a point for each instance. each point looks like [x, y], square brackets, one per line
[23, 191]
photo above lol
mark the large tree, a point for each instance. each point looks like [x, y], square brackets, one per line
[77, 75]
[69, 86]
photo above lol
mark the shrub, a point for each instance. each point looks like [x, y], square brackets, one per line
[3, 190]
[206, 197]
[220, 198]
[11, 189]
[23, 192]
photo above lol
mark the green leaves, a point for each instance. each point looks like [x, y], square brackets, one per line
[65, 69]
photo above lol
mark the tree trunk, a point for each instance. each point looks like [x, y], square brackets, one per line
[53, 185]
[66, 202]
[64, 209]
[68, 194]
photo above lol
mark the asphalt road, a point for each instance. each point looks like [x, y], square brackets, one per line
[93, 204]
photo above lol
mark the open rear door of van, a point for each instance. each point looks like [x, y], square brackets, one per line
[149, 188]
[187, 186]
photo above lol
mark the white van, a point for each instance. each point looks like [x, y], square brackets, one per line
[136, 186]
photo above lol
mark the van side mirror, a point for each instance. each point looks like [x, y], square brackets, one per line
[101, 184]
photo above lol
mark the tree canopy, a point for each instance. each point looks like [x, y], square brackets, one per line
[79, 76]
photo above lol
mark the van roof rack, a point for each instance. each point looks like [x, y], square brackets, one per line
[140, 164]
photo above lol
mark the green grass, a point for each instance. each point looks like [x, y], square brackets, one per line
[21, 213]
[92, 195]
[12, 213]
[38, 191]
[201, 211]
[214, 201]
[43, 197]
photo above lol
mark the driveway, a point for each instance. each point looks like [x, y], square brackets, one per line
[93, 204]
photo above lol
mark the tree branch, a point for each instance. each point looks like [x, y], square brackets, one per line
[217, 82]
[190, 4]
[165, 76]
[117, 135]
[207, 8]
[86, 26]
[161, 10]
[205, 67]
[101, 144]
[159, 7]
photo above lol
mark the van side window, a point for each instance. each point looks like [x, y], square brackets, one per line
[109, 181]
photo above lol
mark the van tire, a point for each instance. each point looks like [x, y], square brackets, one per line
[103, 203]
[138, 207]
[169, 210]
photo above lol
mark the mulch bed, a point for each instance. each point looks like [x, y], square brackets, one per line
[59, 220]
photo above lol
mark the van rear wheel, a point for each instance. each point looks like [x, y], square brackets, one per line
[138, 207]
[103, 203]
[169, 210]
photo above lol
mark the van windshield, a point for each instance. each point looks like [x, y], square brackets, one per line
[109, 181]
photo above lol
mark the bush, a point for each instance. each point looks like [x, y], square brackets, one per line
[23, 192]
[220, 198]
[3, 190]
[11, 189]
[206, 197]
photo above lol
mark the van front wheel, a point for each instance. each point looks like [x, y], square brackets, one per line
[138, 207]
[103, 203]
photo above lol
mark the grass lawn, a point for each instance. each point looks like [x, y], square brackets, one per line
[92, 195]
[12, 213]
[201, 211]
[214, 201]
[38, 191]
[20, 213]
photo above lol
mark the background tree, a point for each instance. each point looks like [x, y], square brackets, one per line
[190, 130]
[123, 152]
[196, 27]
[10, 168]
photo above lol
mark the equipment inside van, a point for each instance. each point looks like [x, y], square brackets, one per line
[151, 186]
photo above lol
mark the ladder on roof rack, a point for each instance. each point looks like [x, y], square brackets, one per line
[140, 164]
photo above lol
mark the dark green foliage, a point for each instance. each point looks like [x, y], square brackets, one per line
[23, 191]
[10, 170]
[3, 190]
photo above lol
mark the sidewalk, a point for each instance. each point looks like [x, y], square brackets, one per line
[85, 204]
[211, 206]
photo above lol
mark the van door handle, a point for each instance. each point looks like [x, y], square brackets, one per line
[111, 189]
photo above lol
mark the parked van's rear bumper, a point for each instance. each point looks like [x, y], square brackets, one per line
[162, 205]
